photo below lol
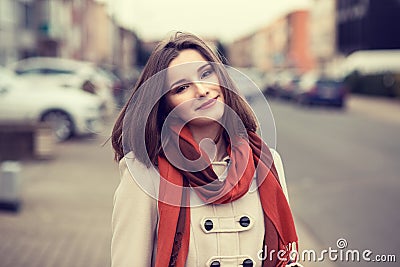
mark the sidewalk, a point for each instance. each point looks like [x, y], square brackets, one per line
[65, 218]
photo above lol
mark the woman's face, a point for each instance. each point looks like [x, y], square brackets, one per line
[194, 89]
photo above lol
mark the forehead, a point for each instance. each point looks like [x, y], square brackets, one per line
[185, 66]
[187, 56]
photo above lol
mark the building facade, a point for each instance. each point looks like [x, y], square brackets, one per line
[299, 56]
[79, 29]
[367, 25]
[282, 44]
[323, 32]
[239, 52]
[17, 30]
[7, 31]
[93, 25]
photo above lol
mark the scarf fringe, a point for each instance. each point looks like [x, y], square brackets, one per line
[291, 256]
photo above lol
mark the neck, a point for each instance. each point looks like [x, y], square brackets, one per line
[210, 132]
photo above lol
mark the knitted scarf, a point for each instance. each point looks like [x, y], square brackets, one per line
[174, 201]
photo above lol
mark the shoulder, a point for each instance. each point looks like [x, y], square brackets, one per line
[281, 172]
[277, 158]
[136, 174]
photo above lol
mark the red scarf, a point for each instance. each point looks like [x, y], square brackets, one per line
[174, 199]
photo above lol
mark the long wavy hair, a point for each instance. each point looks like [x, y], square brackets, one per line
[138, 126]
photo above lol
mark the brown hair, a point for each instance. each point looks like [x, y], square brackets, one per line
[128, 134]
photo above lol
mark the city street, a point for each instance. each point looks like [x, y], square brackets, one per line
[67, 65]
[342, 169]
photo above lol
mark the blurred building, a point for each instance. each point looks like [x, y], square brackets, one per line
[282, 44]
[125, 50]
[367, 25]
[277, 44]
[240, 52]
[42, 25]
[299, 56]
[8, 29]
[90, 33]
[264, 49]
[323, 32]
[80, 29]
[17, 30]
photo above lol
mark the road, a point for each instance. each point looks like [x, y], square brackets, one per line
[343, 174]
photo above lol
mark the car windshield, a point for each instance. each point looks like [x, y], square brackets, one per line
[44, 71]
[330, 83]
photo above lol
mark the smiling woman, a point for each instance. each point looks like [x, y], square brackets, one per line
[195, 91]
[198, 186]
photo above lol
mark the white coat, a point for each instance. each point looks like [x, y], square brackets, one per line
[237, 228]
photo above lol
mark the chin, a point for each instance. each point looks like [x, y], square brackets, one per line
[205, 121]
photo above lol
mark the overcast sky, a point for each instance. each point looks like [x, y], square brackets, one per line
[224, 19]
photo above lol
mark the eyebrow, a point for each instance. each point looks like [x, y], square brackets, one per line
[203, 67]
[177, 82]
[185, 80]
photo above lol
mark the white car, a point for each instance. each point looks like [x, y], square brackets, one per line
[67, 73]
[69, 111]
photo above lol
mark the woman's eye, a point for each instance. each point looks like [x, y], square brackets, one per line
[181, 88]
[206, 73]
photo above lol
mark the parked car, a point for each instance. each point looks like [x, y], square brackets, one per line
[271, 85]
[373, 72]
[319, 89]
[68, 73]
[249, 81]
[287, 84]
[68, 111]
[281, 84]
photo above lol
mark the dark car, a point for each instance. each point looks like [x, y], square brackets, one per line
[321, 90]
[281, 84]
[288, 86]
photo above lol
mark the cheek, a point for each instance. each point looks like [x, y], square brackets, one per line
[171, 102]
[179, 101]
[180, 107]
[222, 96]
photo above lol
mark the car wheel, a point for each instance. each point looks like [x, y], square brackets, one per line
[340, 104]
[61, 124]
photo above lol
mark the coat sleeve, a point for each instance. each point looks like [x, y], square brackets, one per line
[134, 221]
[281, 172]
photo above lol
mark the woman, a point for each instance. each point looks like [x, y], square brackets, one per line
[198, 185]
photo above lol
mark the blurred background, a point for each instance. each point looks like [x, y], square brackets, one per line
[330, 70]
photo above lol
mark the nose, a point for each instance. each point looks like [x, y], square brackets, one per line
[201, 90]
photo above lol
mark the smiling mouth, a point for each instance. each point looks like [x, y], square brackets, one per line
[209, 103]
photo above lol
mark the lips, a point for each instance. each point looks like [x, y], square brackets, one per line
[209, 103]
